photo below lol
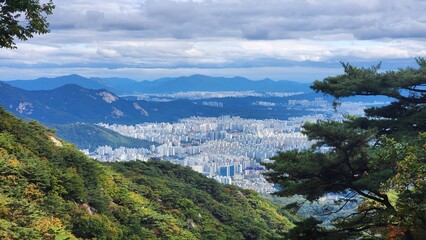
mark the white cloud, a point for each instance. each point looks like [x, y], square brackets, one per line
[221, 35]
[210, 52]
[269, 19]
[109, 53]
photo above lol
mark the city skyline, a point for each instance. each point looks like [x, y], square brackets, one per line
[229, 149]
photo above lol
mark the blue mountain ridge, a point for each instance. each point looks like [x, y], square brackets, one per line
[72, 103]
[163, 85]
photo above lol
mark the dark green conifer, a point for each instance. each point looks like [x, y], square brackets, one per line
[377, 161]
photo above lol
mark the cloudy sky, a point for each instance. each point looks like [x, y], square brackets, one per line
[300, 40]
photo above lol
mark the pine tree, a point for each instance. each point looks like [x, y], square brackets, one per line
[377, 161]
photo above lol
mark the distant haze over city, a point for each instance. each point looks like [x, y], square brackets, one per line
[281, 39]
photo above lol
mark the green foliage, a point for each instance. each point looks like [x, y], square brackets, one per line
[376, 161]
[202, 204]
[314, 174]
[409, 184]
[13, 25]
[94, 227]
[56, 192]
[308, 229]
[88, 136]
[405, 86]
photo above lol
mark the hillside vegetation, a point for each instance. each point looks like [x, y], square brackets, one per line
[50, 190]
[90, 136]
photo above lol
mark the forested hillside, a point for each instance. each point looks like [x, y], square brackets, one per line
[50, 190]
[90, 136]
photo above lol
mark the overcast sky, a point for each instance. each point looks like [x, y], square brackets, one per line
[300, 40]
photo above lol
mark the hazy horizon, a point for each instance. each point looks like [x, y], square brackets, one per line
[140, 80]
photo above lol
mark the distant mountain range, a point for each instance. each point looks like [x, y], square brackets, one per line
[72, 103]
[122, 86]
[68, 104]
[65, 109]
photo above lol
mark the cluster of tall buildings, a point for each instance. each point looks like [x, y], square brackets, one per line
[212, 104]
[318, 102]
[109, 154]
[264, 104]
[206, 95]
[228, 149]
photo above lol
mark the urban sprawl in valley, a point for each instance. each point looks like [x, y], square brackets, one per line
[229, 149]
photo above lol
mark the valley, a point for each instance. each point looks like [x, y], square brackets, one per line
[225, 135]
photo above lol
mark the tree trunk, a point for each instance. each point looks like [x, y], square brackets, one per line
[408, 235]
